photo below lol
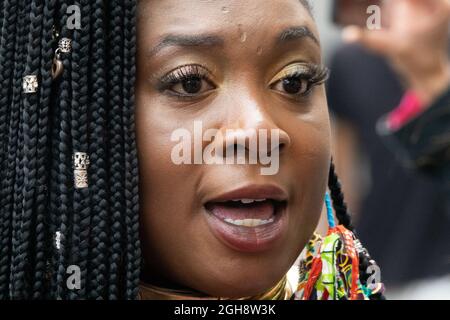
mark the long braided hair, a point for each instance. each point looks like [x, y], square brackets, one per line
[46, 224]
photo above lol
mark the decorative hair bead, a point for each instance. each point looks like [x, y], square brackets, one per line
[30, 84]
[80, 166]
[58, 240]
[64, 46]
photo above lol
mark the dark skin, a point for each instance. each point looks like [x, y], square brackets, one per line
[241, 57]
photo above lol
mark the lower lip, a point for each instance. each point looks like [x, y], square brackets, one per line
[249, 239]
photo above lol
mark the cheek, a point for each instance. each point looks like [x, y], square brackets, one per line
[158, 174]
[311, 147]
[166, 190]
[311, 142]
[309, 162]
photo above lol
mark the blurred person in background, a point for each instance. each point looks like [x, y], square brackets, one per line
[389, 91]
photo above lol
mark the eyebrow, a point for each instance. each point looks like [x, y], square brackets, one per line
[187, 41]
[295, 33]
[179, 40]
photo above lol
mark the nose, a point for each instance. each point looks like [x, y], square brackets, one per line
[250, 126]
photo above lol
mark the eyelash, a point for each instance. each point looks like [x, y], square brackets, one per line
[183, 73]
[314, 75]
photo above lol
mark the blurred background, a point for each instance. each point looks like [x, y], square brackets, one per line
[402, 216]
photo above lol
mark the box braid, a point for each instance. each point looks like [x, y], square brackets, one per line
[115, 53]
[339, 205]
[344, 218]
[88, 108]
[8, 75]
[99, 183]
[30, 113]
[21, 48]
[79, 122]
[132, 244]
[43, 130]
[63, 164]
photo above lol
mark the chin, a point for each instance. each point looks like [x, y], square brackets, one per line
[237, 284]
[250, 287]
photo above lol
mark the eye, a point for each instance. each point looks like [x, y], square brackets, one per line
[292, 85]
[191, 85]
[298, 79]
[187, 81]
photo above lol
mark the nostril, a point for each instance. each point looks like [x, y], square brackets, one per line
[285, 141]
[281, 147]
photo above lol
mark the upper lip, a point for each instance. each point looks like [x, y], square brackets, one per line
[272, 192]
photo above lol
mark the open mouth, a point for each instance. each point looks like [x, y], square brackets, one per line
[248, 219]
[247, 212]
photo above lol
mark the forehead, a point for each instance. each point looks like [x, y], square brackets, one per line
[159, 17]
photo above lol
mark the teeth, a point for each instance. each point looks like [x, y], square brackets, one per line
[247, 201]
[250, 222]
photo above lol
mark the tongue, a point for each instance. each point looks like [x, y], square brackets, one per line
[256, 210]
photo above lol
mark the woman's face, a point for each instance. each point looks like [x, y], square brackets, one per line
[228, 65]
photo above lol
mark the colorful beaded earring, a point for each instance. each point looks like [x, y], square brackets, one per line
[330, 268]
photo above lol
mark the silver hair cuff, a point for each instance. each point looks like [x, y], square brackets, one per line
[80, 166]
